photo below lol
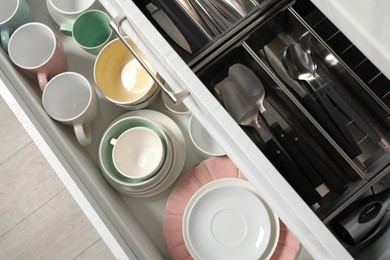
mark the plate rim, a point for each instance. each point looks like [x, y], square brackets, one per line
[228, 182]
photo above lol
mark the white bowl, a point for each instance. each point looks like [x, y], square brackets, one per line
[202, 140]
[179, 109]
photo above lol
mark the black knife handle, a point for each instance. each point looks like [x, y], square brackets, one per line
[297, 155]
[337, 119]
[291, 172]
[314, 108]
[352, 115]
[329, 177]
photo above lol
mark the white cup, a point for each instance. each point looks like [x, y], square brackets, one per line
[66, 11]
[69, 98]
[202, 140]
[138, 153]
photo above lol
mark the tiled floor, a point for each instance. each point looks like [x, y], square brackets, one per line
[39, 219]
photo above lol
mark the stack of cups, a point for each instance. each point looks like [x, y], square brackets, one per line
[135, 155]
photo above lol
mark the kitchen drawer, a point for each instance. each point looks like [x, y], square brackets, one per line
[137, 223]
[300, 22]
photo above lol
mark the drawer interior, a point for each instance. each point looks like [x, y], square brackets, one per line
[136, 223]
[345, 69]
[186, 15]
[284, 28]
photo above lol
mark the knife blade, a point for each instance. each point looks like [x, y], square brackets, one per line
[168, 26]
[189, 9]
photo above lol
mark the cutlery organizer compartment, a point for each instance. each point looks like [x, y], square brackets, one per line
[286, 112]
[287, 29]
[284, 28]
[192, 27]
[374, 81]
[368, 238]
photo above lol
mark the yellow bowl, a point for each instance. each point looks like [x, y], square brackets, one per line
[120, 77]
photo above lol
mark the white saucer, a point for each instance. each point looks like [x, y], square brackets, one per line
[178, 147]
[225, 219]
[58, 18]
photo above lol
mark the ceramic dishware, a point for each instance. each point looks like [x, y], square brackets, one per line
[179, 109]
[120, 77]
[13, 13]
[91, 30]
[171, 168]
[226, 219]
[66, 11]
[138, 153]
[69, 98]
[209, 170]
[133, 181]
[202, 140]
[35, 48]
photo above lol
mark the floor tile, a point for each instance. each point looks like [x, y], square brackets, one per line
[58, 230]
[13, 137]
[27, 181]
[98, 251]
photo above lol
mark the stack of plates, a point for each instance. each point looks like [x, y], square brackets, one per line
[214, 213]
[162, 180]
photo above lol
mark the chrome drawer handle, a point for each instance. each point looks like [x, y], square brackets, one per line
[176, 97]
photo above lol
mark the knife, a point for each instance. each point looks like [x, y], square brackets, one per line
[168, 26]
[189, 9]
[312, 106]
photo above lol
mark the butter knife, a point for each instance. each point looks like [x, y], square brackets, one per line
[168, 26]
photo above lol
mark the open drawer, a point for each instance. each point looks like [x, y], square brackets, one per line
[137, 223]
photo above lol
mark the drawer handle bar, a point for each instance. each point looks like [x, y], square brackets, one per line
[177, 97]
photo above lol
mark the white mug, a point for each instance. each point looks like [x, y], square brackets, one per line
[13, 13]
[66, 11]
[69, 98]
[35, 48]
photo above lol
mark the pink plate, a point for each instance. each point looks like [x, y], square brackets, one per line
[209, 170]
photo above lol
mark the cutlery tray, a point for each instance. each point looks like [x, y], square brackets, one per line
[285, 27]
[203, 43]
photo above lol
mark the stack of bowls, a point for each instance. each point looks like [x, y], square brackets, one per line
[122, 79]
[135, 155]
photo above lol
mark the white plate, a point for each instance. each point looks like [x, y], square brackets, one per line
[225, 219]
[178, 147]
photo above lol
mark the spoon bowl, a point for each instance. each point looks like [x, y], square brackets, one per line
[299, 63]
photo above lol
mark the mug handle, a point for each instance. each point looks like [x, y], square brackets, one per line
[42, 79]
[5, 39]
[66, 29]
[83, 134]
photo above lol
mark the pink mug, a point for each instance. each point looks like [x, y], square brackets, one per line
[35, 48]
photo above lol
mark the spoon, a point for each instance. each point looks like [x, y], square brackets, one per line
[300, 65]
[245, 112]
[252, 87]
